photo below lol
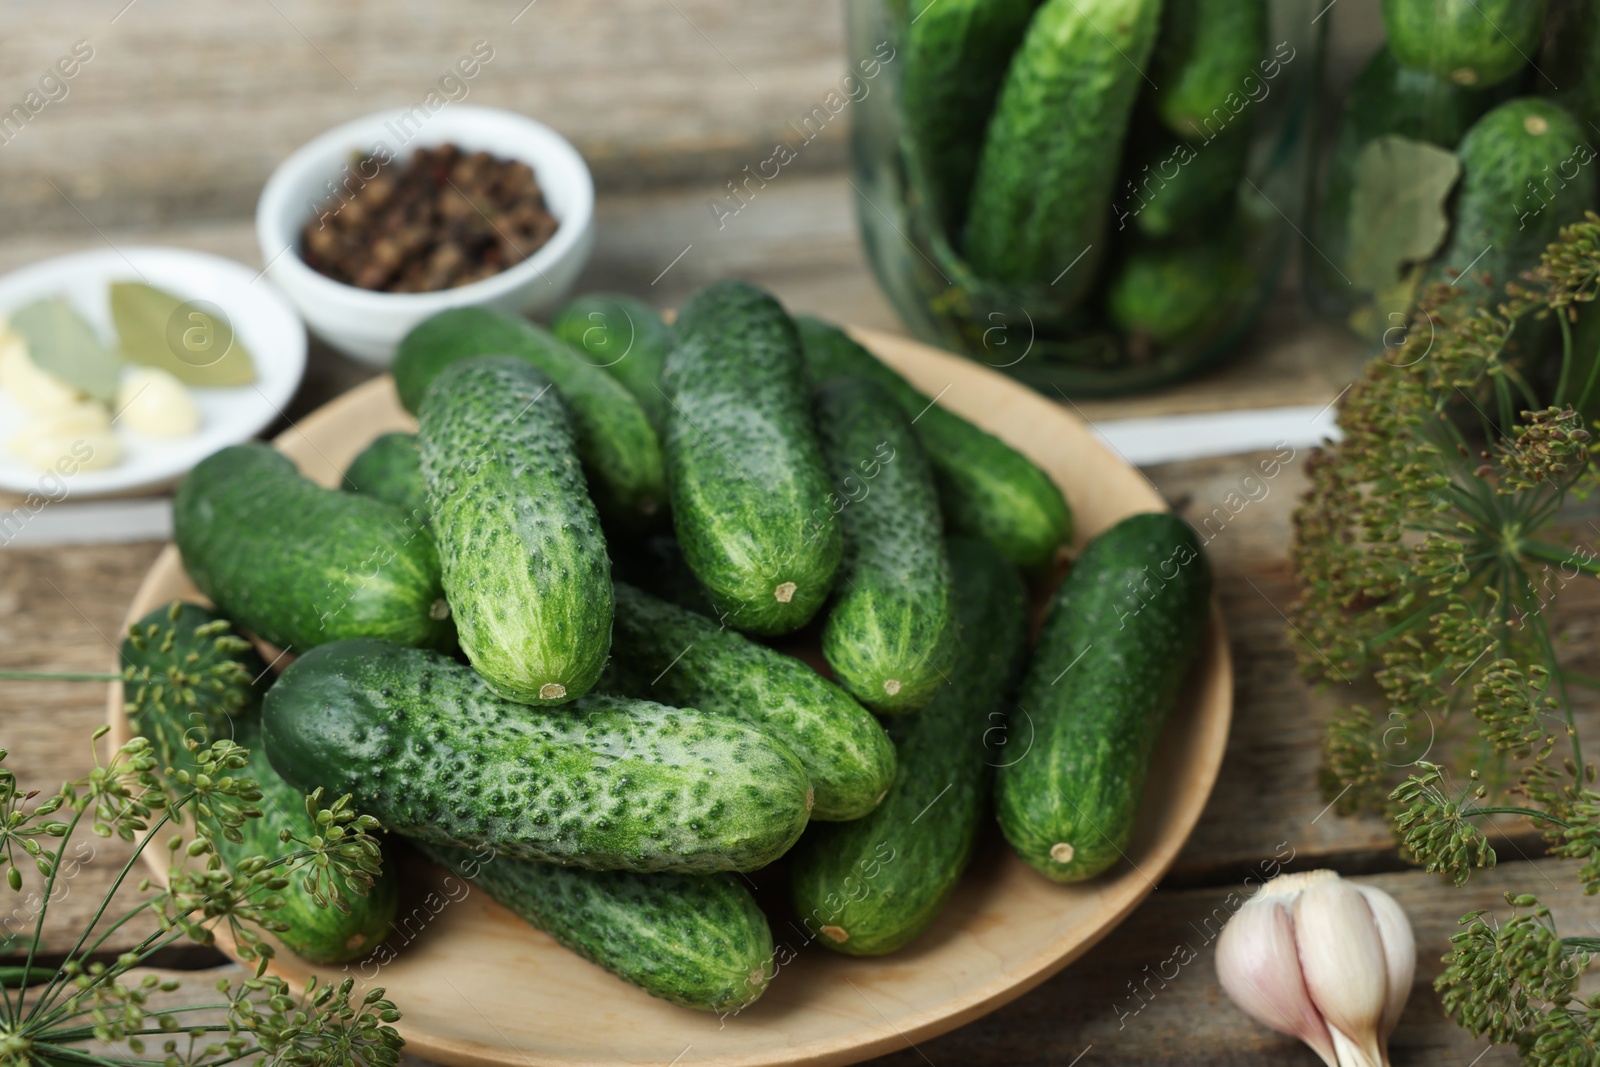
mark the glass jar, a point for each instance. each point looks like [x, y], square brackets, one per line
[1169, 280]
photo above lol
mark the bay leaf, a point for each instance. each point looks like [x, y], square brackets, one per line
[61, 343]
[1397, 208]
[193, 340]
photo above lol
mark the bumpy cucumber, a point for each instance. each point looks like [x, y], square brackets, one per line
[625, 337]
[620, 450]
[525, 563]
[871, 886]
[1389, 98]
[696, 940]
[1206, 52]
[743, 462]
[1043, 190]
[890, 635]
[300, 565]
[188, 677]
[1120, 635]
[390, 468]
[989, 489]
[608, 783]
[671, 655]
[1165, 294]
[1526, 171]
[1471, 42]
[956, 55]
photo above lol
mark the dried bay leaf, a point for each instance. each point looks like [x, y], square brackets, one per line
[190, 339]
[1397, 208]
[62, 344]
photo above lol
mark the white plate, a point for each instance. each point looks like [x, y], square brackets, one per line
[262, 321]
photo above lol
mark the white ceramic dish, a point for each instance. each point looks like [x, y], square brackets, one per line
[261, 321]
[367, 325]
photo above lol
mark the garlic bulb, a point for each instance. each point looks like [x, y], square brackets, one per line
[1324, 960]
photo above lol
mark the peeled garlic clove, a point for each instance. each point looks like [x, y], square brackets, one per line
[1399, 952]
[70, 453]
[1257, 966]
[1342, 959]
[152, 402]
[38, 391]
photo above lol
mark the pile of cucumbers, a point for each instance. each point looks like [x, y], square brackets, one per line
[1499, 98]
[1083, 158]
[547, 639]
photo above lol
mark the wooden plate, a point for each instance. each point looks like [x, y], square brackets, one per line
[477, 986]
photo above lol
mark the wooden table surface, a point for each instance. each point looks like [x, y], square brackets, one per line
[165, 137]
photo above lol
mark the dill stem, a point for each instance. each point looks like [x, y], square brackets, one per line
[1548, 553]
[1532, 813]
[57, 676]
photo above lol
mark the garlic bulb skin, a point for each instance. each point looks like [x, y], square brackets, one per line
[1324, 960]
[152, 402]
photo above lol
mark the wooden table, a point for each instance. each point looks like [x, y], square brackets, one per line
[165, 137]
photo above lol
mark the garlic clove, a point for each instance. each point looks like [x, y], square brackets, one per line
[1342, 959]
[1399, 952]
[36, 390]
[1257, 965]
[153, 402]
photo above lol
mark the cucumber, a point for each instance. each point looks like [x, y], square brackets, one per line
[1048, 165]
[744, 466]
[390, 469]
[1167, 294]
[299, 565]
[1179, 188]
[956, 55]
[1570, 56]
[1525, 172]
[671, 655]
[988, 489]
[1388, 98]
[525, 564]
[1207, 51]
[890, 635]
[626, 338]
[1471, 42]
[620, 450]
[696, 940]
[426, 747]
[1120, 635]
[187, 676]
[873, 885]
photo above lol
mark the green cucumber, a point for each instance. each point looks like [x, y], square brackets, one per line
[890, 635]
[1388, 98]
[956, 55]
[390, 468]
[1471, 42]
[188, 677]
[1119, 637]
[1569, 60]
[620, 450]
[626, 338]
[426, 747]
[873, 885]
[1175, 187]
[1167, 294]
[1525, 173]
[743, 462]
[1041, 199]
[1207, 52]
[524, 561]
[671, 655]
[989, 489]
[696, 940]
[299, 565]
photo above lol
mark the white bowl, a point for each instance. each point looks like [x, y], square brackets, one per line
[367, 325]
[261, 320]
